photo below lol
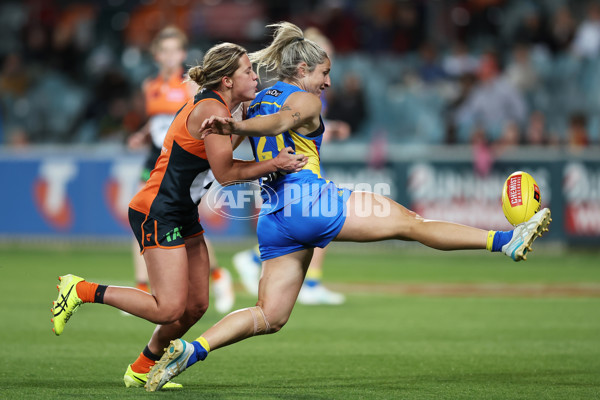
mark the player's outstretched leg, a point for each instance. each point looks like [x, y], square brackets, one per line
[134, 379]
[178, 356]
[525, 233]
[67, 302]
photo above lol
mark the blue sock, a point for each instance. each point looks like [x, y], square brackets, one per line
[311, 282]
[500, 239]
[200, 353]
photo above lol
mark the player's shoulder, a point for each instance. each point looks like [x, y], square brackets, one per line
[207, 105]
[304, 100]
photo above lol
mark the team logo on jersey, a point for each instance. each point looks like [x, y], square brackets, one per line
[50, 192]
[273, 92]
[120, 188]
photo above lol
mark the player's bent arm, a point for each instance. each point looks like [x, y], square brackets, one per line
[139, 138]
[301, 112]
[228, 171]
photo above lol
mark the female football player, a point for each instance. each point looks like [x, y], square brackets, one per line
[164, 94]
[302, 211]
[164, 213]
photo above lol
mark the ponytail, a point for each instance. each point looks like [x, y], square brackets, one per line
[288, 49]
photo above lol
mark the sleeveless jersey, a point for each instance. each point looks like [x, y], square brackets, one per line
[182, 174]
[274, 196]
[163, 97]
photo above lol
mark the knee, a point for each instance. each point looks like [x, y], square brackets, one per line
[277, 324]
[274, 318]
[409, 224]
[195, 311]
[168, 315]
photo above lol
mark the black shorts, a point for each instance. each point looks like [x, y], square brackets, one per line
[151, 233]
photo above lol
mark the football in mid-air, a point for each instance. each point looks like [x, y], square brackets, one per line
[521, 197]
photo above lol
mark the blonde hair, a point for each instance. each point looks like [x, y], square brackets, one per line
[169, 32]
[221, 60]
[288, 49]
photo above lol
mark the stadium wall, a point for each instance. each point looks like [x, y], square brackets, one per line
[76, 194]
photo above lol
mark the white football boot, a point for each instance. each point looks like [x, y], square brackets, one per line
[171, 364]
[248, 270]
[222, 286]
[525, 233]
[319, 295]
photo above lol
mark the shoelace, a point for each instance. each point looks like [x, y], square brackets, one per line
[62, 304]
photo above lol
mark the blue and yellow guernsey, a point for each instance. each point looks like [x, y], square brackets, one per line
[281, 190]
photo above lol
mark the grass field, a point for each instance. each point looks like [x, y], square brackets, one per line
[382, 344]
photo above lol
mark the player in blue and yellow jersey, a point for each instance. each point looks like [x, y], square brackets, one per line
[302, 210]
[164, 213]
[247, 262]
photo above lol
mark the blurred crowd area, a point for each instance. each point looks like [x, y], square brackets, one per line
[500, 72]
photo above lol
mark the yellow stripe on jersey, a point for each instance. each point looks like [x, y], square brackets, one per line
[309, 149]
[265, 102]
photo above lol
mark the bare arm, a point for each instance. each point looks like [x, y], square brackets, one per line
[228, 171]
[142, 136]
[300, 112]
[219, 151]
[139, 138]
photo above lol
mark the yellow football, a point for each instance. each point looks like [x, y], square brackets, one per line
[521, 197]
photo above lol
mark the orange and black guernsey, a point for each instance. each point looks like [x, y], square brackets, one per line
[182, 174]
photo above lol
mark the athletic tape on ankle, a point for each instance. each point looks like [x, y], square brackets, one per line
[258, 316]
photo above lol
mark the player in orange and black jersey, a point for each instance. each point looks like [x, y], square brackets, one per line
[164, 95]
[164, 215]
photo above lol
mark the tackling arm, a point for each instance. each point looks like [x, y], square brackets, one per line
[300, 112]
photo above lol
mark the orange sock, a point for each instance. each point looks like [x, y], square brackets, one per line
[142, 365]
[143, 286]
[215, 273]
[86, 291]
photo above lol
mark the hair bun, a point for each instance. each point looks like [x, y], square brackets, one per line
[197, 74]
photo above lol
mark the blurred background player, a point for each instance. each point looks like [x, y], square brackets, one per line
[164, 95]
[248, 263]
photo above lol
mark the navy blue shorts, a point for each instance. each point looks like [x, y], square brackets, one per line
[311, 221]
[151, 233]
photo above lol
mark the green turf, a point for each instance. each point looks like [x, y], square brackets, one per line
[377, 345]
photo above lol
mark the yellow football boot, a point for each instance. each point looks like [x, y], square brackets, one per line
[133, 379]
[67, 302]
